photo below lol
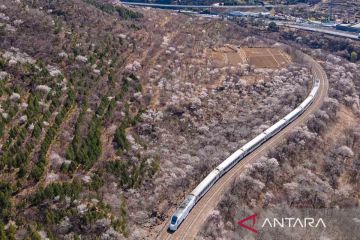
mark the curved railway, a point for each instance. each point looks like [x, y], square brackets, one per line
[190, 227]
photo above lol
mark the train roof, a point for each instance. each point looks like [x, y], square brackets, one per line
[292, 113]
[183, 205]
[275, 126]
[204, 183]
[254, 141]
[306, 102]
[314, 90]
[186, 201]
[230, 159]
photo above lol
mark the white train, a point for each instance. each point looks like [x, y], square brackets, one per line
[183, 210]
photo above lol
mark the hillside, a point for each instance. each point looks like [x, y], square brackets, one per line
[109, 115]
[316, 167]
[104, 109]
[63, 81]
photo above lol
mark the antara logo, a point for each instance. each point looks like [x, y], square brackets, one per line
[253, 218]
[288, 222]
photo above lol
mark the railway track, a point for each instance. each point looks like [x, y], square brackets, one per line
[192, 224]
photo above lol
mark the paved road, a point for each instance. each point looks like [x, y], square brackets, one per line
[307, 28]
[321, 30]
[206, 6]
[192, 224]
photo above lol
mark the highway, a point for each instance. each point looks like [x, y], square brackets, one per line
[281, 23]
[194, 221]
[321, 30]
[172, 6]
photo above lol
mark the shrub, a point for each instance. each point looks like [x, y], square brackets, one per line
[353, 56]
[71, 189]
[5, 203]
[273, 27]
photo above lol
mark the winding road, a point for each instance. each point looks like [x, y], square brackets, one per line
[182, 6]
[194, 221]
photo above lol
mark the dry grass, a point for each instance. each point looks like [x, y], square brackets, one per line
[267, 57]
[257, 57]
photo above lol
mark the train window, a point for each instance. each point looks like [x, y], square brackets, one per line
[173, 220]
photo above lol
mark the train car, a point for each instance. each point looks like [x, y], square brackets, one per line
[306, 102]
[314, 91]
[254, 143]
[205, 184]
[292, 115]
[181, 212]
[271, 131]
[230, 161]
